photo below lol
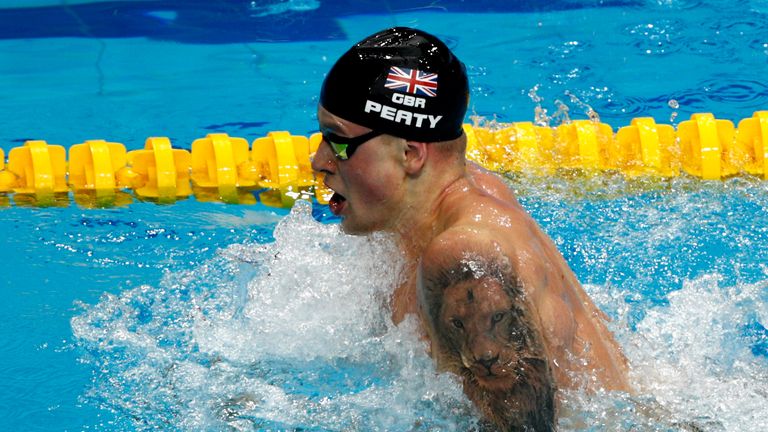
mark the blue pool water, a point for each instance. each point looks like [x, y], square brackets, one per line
[204, 316]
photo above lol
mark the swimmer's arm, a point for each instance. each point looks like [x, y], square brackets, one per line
[530, 403]
[446, 258]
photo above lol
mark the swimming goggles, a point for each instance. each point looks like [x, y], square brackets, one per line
[344, 147]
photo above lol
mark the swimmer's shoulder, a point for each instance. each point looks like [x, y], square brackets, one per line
[492, 184]
[460, 243]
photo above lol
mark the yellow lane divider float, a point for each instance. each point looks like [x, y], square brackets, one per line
[277, 168]
[160, 171]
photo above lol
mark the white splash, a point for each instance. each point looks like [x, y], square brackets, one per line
[318, 293]
[292, 334]
[297, 334]
[694, 358]
[691, 361]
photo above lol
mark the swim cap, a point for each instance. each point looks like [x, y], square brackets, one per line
[400, 81]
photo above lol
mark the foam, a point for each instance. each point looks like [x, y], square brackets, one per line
[295, 333]
[692, 363]
[694, 357]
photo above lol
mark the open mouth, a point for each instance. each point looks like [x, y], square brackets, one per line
[337, 203]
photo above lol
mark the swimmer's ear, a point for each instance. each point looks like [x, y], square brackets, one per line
[415, 156]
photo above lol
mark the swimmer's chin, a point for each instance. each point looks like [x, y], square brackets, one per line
[352, 224]
[348, 227]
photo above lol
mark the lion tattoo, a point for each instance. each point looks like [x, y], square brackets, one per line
[481, 329]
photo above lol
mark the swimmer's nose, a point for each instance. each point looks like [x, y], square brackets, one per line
[324, 161]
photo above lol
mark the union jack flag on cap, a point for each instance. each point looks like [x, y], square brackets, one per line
[412, 81]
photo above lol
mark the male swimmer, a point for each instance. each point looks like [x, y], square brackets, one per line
[499, 304]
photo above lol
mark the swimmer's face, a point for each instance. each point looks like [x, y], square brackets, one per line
[369, 185]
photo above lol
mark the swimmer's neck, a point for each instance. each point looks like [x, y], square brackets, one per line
[428, 215]
[428, 221]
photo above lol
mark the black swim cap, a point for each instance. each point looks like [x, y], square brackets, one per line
[400, 81]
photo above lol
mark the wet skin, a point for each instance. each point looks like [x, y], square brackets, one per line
[556, 307]
[444, 211]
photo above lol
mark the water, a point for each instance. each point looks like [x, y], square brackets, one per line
[202, 316]
[271, 336]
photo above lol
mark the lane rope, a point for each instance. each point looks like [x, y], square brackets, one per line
[276, 169]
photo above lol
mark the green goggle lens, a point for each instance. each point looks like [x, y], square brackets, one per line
[344, 147]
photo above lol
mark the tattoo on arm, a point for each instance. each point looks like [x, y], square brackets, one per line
[482, 328]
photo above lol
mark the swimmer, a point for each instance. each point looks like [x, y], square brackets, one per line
[499, 304]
